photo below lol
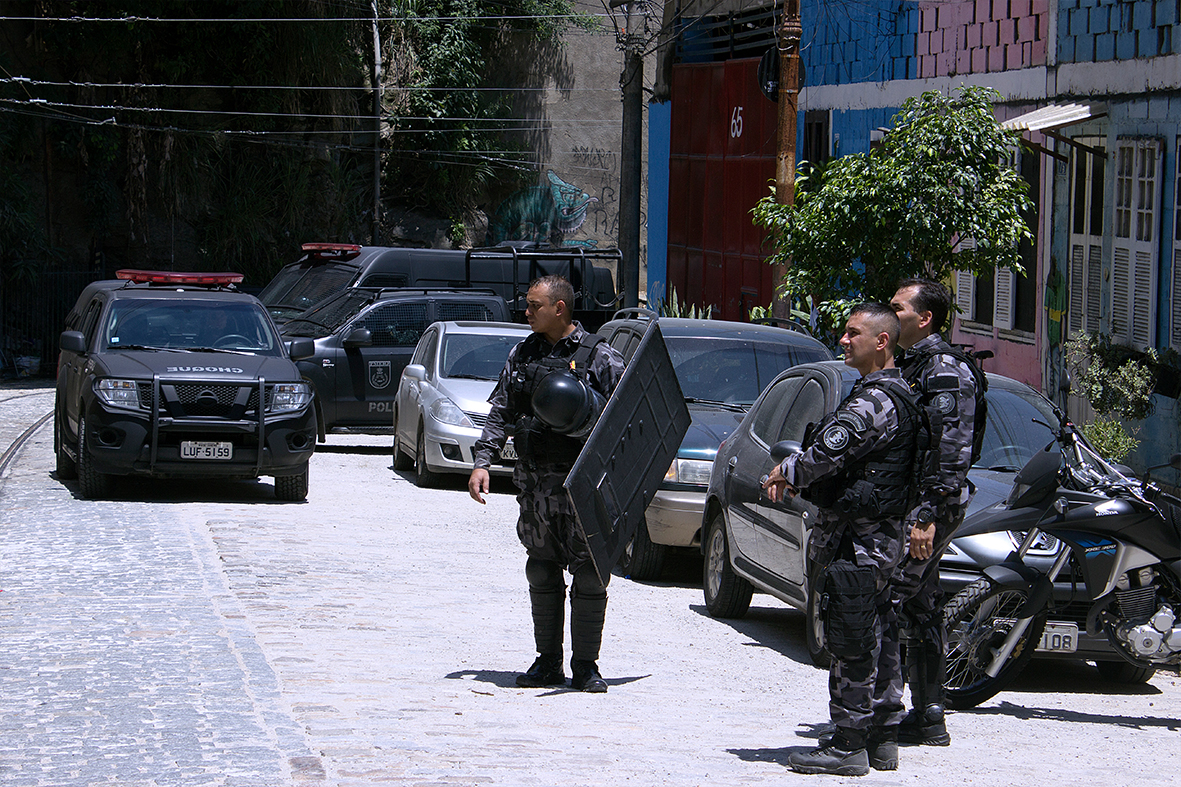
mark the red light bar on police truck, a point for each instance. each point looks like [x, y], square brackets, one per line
[331, 251]
[177, 277]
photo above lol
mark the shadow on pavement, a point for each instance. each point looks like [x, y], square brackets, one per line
[780, 629]
[777, 756]
[508, 680]
[1062, 714]
[205, 490]
[1064, 676]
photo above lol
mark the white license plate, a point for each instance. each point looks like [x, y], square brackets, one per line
[509, 452]
[1059, 638]
[194, 449]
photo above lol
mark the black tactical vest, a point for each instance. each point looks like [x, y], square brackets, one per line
[892, 469]
[914, 365]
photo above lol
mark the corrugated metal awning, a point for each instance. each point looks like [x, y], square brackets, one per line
[1052, 117]
[1047, 120]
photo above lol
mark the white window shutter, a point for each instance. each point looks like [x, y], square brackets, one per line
[965, 294]
[1002, 313]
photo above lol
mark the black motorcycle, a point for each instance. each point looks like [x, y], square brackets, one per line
[1120, 534]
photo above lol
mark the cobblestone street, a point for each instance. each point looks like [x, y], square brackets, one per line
[204, 633]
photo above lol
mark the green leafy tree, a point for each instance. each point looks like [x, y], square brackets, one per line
[939, 194]
[1118, 386]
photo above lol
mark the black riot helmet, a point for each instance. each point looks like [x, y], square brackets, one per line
[566, 404]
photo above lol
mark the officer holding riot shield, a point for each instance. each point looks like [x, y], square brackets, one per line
[950, 387]
[549, 394]
[859, 471]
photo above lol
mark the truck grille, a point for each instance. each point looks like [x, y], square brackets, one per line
[199, 399]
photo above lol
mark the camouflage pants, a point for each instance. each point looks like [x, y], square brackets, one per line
[916, 585]
[866, 691]
[546, 525]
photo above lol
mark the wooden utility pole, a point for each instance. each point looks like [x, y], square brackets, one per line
[790, 31]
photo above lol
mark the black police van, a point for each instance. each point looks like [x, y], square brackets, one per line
[173, 375]
[365, 338]
[327, 268]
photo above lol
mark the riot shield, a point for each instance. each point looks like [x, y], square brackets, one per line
[628, 453]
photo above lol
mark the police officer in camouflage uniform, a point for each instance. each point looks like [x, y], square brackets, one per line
[859, 472]
[951, 389]
[546, 527]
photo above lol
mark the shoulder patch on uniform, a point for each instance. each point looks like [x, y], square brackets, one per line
[854, 421]
[835, 437]
[945, 402]
[943, 382]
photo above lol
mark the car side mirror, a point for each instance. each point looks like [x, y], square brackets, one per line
[301, 347]
[359, 337]
[415, 371]
[785, 448]
[72, 341]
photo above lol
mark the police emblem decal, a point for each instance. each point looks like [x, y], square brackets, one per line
[379, 374]
[835, 437]
[945, 403]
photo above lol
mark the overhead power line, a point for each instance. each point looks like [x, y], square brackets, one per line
[319, 19]
[294, 115]
[358, 88]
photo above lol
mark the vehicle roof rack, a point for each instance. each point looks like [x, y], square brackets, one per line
[637, 312]
[784, 322]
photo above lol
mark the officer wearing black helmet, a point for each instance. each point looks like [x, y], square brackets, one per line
[550, 391]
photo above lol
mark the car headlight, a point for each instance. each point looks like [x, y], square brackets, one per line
[290, 396]
[689, 471]
[118, 393]
[446, 411]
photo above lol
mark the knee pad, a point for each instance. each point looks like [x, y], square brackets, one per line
[545, 575]
[587, 584]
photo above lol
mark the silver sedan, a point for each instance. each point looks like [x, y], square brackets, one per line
[442, 400]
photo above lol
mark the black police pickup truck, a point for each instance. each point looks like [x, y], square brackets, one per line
[178, 375]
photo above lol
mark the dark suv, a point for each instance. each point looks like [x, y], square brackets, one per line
[365, 337]
[179, 375]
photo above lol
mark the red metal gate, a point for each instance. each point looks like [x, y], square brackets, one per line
[721, 162]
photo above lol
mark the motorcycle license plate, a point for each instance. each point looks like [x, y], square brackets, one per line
[195, 449]
[509, 452]
[1059, 638]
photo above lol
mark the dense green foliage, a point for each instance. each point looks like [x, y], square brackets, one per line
[239, 129]
[863, 222]
[1118, 387]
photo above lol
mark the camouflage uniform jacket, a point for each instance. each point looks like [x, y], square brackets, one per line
[946, 384]
[606, 367]
[864, 424]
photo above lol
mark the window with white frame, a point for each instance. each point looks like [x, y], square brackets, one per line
[1088, 162]
[1004, 298]
[1135, 249]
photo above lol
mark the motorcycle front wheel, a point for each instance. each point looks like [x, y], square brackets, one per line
[978, 619]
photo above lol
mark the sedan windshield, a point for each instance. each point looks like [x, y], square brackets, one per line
[732, 370]
[157, 324]
[475, 356]
[1018, 422]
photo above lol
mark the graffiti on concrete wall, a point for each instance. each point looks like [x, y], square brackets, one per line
[548, 213]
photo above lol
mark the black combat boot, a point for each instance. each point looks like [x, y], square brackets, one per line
[585, 677]
[925, 725]
[588, 610]
[883, 748]
[844, 755]
[546, 671]
[881, 745]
